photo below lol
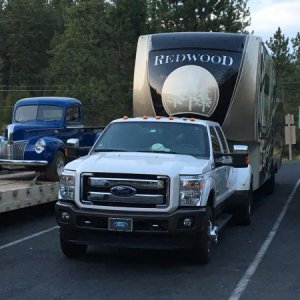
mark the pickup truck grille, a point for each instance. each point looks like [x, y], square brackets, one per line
[125, 190]
[12, 151]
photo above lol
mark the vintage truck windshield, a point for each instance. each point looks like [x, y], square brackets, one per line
[158, 137]
[38, 113]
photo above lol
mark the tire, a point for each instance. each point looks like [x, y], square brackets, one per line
[72, 250]
[243, 211]
[201, 254]
[269, 185]
[55, 167]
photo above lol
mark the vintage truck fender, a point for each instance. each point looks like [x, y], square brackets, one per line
[52, 145]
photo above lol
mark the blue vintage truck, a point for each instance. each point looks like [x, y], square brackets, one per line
[37, 137]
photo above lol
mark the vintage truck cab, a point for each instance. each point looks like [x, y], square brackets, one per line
[36, 138]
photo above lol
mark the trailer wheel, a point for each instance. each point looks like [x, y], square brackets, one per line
[243, 211]
[202, 252]
[56, 167]
[269, 185]
[72, 250]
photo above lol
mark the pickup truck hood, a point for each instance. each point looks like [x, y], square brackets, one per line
[140, 163]
[24, 131]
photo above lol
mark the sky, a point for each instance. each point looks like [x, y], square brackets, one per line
[268, 15]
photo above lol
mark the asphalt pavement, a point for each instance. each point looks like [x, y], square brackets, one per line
[260, 261]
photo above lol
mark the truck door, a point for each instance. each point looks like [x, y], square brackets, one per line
[73, 121]
[220, 172]
[225, 150]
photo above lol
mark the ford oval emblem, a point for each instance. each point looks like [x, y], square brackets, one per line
[120, 224]
[123, 190]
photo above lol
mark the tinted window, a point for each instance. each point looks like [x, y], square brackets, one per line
[73, 114]
[222, 139]
[214, 139]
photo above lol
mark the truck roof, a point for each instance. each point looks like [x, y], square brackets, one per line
[166, 120]
[60, 101]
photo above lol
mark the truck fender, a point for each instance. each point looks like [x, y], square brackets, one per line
[209, 187]
[52, 146]
[240, 178]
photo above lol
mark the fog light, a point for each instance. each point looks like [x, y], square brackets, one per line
[65, 216]
[187, 222]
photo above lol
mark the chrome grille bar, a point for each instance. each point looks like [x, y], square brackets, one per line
[136, 183]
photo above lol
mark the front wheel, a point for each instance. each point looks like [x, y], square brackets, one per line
[55, 168]
[202, 251]
[72, 250]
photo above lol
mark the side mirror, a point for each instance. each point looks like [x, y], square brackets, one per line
[240, 156]
[73, 143]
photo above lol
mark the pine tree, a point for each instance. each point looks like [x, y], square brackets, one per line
[198, 15]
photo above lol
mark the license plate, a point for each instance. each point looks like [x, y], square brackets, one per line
[119, 224]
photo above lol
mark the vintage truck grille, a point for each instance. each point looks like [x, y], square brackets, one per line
[125, 190]
[12, 151]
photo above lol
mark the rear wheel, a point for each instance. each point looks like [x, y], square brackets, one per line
[269, 185]
[56, 166]
[243, 210]
[203, 250]
[72, 250]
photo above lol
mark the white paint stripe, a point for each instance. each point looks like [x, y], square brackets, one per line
[27, 238]
[243, 283]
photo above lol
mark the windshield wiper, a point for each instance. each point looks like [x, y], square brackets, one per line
[157, 151]
[110, 150]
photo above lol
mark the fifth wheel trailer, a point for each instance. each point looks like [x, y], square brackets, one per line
[224, 77]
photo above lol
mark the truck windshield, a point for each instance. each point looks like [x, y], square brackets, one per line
[38, 113]
[158, 137]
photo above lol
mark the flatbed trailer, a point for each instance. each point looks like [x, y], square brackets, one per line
[21, 190]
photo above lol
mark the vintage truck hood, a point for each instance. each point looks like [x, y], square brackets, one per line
[25, 131]
[140, 163]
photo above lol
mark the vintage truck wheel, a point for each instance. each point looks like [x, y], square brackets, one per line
[243, 210]
[72, 250]
[56, 167]
[202, 251]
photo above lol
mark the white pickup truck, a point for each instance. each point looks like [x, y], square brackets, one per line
[154, 182]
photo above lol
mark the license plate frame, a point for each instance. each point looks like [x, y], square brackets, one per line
[120, 224]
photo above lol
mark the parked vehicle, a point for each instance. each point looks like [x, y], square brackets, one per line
[163, 185]
[174, 180]
[40, 128]
[225, 77]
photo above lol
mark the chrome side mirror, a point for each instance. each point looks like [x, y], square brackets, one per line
[73, 142]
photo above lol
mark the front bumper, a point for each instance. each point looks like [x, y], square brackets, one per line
[23, 163]
[90, 227]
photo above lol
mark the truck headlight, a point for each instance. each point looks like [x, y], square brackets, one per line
[190, 190]
[40, 146]
[67, 185]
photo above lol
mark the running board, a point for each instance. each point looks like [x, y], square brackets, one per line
[222, 221]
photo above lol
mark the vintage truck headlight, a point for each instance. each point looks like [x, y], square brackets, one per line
[190, 190]
[40, 146]
[67, 185]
